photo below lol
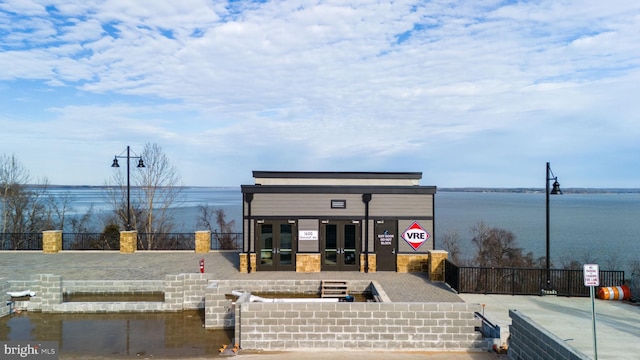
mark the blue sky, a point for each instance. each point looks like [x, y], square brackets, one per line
[470, 93]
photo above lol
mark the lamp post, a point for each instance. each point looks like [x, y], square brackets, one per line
[554, 191]
[140, 165]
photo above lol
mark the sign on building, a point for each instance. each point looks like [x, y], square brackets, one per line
[415, 235]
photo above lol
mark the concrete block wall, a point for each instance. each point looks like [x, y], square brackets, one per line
[218, 313]
[105, 307]
[182, 292]
[530, 341]
[194, 289]
[5, 308]
[362, 326]
[49, 293]
[174, 292]
[110, 286]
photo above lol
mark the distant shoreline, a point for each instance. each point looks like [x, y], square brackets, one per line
[541, 190]
[439, 189]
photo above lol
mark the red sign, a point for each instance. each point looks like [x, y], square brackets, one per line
[415, 235]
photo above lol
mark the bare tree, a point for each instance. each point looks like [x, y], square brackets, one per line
[56, 209]
[13, 179]
[451, 243]
[497, 247]
[24, 209]
[226, 236]
[159, 182]
[155, 189]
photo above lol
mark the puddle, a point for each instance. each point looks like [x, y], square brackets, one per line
[112, 297]
[179, 334]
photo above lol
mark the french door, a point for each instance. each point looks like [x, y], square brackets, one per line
[276, 246]
[341, 246]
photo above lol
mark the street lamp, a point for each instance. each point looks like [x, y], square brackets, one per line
[140, 165]
[554, 191]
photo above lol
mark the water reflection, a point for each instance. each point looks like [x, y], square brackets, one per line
[124, 334]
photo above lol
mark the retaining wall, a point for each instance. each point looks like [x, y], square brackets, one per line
[181, 292]
[530, 341]
[362, 326]
[5, 306]
[219, 310]
[282, 326]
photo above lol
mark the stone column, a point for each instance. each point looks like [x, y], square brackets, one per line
[244, 257]
[51, 241]
[203, 241]
[372, 262]
[128, 241]
[436, 264]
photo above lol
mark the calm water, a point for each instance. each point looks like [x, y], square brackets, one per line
[126, 335]
[603, 228]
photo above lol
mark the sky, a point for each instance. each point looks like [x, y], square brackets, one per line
[477, 93]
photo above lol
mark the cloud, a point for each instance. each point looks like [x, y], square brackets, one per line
[405, 85]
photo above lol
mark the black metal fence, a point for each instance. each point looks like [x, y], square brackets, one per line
[516, 281]
[102, 241]
[21, 241]
[90, 241]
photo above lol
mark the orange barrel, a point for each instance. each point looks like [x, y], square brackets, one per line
[614, 293]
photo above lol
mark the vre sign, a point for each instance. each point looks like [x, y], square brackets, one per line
[415, 235]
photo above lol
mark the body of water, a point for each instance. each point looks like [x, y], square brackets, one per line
[593, 227]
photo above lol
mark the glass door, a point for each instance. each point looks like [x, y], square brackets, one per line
[341, 246]
[276, 244]
[285, 248]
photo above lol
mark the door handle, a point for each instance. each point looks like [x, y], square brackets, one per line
[393, 251]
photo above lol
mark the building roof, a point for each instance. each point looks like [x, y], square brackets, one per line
[335, 178]
[337, 175]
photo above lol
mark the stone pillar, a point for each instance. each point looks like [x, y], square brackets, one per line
[203, 241]
[51, 241]
[436, 264]
[308, 263]
[128, 241]
[243, 262]
[372, 263]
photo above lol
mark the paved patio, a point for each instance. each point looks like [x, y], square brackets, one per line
[154, 265]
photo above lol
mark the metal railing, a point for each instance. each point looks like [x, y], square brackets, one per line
[517, 281]
[21, 241]
[101, 241]
[90, 241]
[226, 241]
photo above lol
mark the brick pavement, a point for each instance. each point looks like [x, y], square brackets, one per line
[154, 265]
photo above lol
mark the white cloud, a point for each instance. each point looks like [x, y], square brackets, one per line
[304, 84]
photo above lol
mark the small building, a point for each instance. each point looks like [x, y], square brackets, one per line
[337, 221]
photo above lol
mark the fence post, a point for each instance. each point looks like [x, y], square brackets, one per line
[128, 241]
[436, 264]
[51, 241]
[203, 241]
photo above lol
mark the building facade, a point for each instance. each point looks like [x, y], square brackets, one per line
[337, 221]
